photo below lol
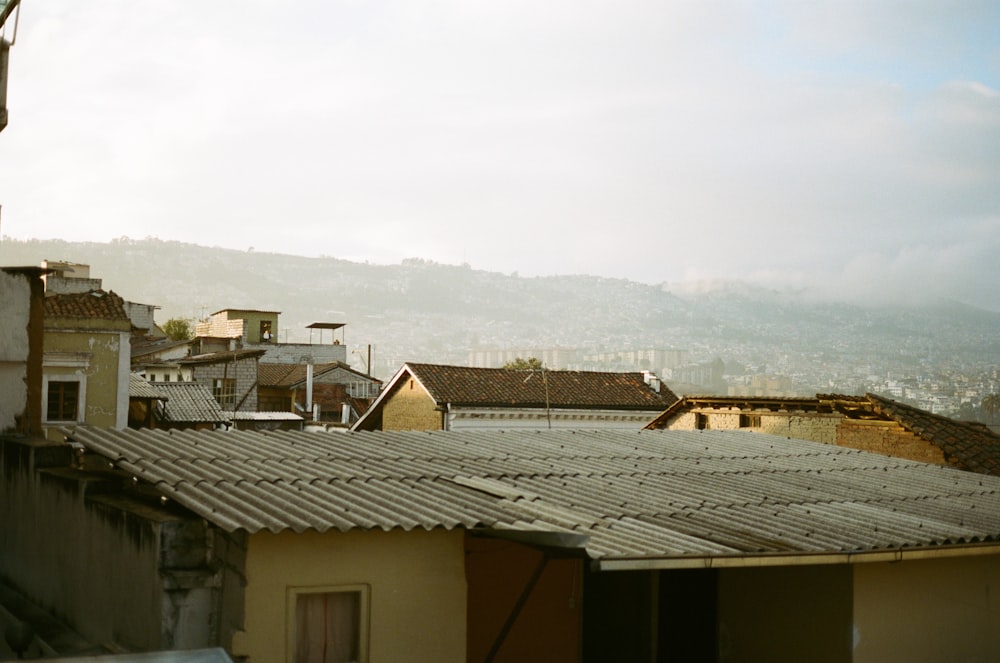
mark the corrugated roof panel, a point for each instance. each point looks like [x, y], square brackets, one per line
[655, 493]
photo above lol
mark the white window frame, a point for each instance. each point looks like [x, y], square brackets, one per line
[293, 593]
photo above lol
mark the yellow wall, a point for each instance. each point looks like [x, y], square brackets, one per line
[105, 372]
[410, 408]
[928, 611]
[253, 320]
[416, 581]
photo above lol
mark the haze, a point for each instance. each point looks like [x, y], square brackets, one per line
[845, 147]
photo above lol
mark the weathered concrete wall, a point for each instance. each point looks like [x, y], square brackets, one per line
[116, 569]
[297, 353]
[15, 301]
[90, 565]
[415, 581]
[928, 611]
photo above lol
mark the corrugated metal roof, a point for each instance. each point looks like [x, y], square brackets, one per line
[189, 402]
[139, 387]
[648, 494]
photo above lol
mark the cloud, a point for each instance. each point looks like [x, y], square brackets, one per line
[817, 141]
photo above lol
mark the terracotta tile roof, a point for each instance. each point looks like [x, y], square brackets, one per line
[462, 385]
[972, 446]
[93, 305]
[623, 496]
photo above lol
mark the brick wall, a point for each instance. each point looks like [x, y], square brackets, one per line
[410, 408]
[888, 439]
[815, 427]
[244, 372]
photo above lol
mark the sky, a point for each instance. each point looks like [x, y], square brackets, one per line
[847, 147]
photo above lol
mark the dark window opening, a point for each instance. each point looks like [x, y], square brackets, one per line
[63, 401]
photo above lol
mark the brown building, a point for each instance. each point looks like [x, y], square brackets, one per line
[330, 387]
[871, 423]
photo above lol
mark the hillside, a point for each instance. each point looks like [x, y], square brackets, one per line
[422, 311]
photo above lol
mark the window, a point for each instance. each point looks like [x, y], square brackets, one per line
[63, 401]
[265, 331]
[701, 421]
[224, 390]
[749, 421]
[328, 625]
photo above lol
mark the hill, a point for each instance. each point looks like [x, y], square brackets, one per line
[429, 312]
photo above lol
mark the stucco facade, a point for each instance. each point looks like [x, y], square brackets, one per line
[95, 355]
[413, 585]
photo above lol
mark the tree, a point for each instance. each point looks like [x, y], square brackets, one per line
[521, 364]
[991, 405]
[178, 329]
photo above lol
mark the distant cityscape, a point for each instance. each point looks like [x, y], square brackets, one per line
[729, 339]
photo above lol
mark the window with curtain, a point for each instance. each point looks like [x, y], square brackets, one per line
[329, 626]
[63, 401]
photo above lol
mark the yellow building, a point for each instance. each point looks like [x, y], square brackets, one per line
[85, 374]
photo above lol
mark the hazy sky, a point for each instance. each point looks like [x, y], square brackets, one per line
[849, 145]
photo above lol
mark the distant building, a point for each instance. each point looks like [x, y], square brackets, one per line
[85, 377]
[551, 358]
[258, 330]
[435, 397]
[871, 423]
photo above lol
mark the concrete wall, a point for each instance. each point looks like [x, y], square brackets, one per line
[410, 408]
[298, 353]
[118, 571]
[15, 300]
[786, 614]
[928, 611]
[415, 580]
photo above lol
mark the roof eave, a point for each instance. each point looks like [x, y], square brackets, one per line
[795, 559]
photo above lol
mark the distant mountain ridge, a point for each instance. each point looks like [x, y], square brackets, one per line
[423, 311]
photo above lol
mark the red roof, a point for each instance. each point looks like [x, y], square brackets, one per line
[93, 305]
[462, 385]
